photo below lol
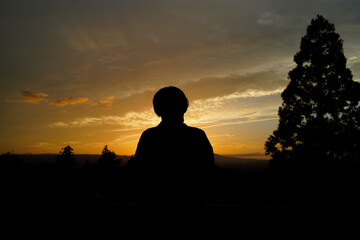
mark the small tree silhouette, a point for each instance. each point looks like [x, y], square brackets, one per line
[108, 159]
[319, 116]
[66, 159]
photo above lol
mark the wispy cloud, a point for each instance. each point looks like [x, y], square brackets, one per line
[234, 86]
[217, 101]
[132, 120]
[44, 145]
[37, 97]
[33, 97]
[107, 101]
[202, 113]
[70, 101]
[269, 18]
[236, 121]
[141, 121]
[237, 108]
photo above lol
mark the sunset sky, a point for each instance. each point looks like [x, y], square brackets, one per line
[83, 72]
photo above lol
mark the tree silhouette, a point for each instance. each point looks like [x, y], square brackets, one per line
[319, 116]
[66, 159]
[108, 159]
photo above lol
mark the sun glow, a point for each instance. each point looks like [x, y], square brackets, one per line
[89, 81]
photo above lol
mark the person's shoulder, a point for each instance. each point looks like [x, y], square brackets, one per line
[195, 130]
[149, 131]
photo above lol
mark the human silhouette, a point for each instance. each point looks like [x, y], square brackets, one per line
[174, 160]
[172, 146]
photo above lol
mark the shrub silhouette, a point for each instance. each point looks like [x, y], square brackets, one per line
[319, 116]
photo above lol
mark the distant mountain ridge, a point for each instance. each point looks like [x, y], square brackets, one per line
[236, 163]
[241, 164]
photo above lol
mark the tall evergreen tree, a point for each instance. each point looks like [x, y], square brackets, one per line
[319, 116]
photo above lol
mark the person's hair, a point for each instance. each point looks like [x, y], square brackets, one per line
[170, 100]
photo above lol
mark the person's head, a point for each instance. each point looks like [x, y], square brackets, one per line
[170, 103]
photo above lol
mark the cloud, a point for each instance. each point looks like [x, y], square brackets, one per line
[131, 120]
[166, 40]
[12, 100]
[209, 112]
[214, 102]
[70, 101]
[236, 86]
[217, 101]
[269, 19]
[33, 97]
[44, 145]
[107, 101]
[59, 125]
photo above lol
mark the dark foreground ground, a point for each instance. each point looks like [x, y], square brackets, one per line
[119, 204]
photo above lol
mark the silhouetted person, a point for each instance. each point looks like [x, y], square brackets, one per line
[173, 159]
[172, 146]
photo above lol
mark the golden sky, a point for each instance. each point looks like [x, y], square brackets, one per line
[83, 73]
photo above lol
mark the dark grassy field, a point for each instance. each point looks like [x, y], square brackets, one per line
[222, 205]
[225, 204]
